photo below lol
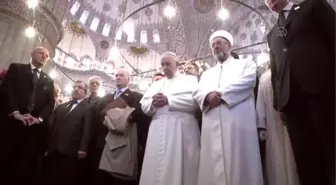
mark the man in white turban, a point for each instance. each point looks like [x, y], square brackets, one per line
[229, 142]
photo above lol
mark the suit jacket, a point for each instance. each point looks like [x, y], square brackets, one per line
[71, 132]
[304, 60]
[93, 100]
[132, 98]
[17, 90]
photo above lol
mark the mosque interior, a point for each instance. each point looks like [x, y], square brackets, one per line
[96, 37]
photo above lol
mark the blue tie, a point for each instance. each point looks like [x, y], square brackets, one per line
[119, 91]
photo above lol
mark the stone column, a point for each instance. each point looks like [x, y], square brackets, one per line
[15, 17]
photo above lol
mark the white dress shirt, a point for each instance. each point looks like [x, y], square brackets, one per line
[116, 94]
[287, 9]
[38, 70]
[75, 105]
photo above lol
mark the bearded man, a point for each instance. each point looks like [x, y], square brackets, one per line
[230, 148]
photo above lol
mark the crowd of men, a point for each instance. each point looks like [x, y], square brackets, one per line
[187, 129]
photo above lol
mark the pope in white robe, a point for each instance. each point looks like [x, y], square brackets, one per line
[229, 143]
[279, 162]
[173, 143]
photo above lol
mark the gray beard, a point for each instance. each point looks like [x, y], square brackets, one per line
[221, 57]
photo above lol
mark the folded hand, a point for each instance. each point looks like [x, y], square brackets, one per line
[31, 120]
[213, 99]
[81, 154]
[160, 100]
[22, 118]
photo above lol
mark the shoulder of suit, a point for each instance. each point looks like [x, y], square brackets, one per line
[17, 65]
[47, 76]
[136, 93]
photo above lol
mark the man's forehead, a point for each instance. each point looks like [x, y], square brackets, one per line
[189, 66]
[80, 83]
[122, 72]
[216, 39]
[41, 50]
[168, 58]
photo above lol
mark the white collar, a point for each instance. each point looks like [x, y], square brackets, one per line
[78, 101]
[122, 89]
[288, 7]
[33, 67]
[177, 73]
[225, 62]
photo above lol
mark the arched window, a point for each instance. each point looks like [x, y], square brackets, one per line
[84, 17]
[156, 36]
[143, 37]
[75, 8]
[106, 30]
[94, 24]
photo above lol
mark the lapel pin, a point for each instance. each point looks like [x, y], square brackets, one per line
[126, 94]
[296, 8]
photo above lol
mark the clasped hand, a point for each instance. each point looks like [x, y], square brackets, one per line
[26, 119]
[213, 99]
[159, 100]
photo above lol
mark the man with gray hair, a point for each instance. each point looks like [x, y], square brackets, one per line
[230, 149]
[172, 151]
[112, 172]
[95, 83]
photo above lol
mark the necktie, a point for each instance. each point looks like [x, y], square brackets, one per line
[282, 18]
[70, 105]
[92, 99]
[33, 96]
[35, 76]
[119, 91]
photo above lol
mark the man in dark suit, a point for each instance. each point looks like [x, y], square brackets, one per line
[87, 171]
[70, 126]
[26, 97]
[302, 54]
[132, 98]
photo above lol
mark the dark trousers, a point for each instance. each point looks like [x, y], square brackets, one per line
[311, 126]
[62, 169]
[21, 148]
[103, 178]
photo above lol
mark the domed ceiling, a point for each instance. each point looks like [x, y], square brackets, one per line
[93, 41]
[119, 9]
[92, 33]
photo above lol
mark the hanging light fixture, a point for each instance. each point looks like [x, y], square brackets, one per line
[68, 89]
[169, 11]
[30, 32]
[53, 74]
[223, 14]
[32, 3]
[114, 53]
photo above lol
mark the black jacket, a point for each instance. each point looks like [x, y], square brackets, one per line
[306, 55]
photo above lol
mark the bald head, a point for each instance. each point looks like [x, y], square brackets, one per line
[39, 57]
[122, 78]
[169, 63]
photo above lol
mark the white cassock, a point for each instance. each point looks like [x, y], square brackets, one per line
[173, 143]
[229, 143]
[280, 162]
